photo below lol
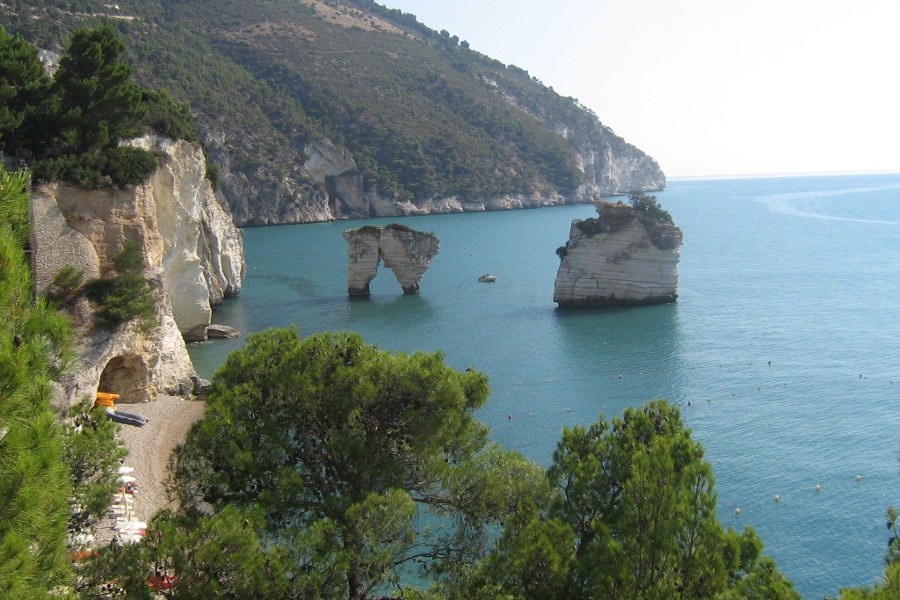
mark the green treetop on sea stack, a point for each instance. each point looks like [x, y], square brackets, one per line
[648, 206]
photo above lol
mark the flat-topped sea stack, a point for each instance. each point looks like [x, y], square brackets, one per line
[627, 255]
[405, 251]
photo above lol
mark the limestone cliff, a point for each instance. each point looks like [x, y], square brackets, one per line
[194, 258]
[622, 257]
[610, 166]
[406, 252]
[203, 252]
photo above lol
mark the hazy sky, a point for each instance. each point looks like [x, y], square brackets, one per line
[709, 87]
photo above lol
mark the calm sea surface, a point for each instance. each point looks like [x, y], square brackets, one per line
[783, 349]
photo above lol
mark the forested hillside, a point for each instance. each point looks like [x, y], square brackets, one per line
[411, 115]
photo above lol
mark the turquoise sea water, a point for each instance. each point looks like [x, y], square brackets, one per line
[783, 349]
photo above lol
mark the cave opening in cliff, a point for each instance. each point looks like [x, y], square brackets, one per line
[128, 376]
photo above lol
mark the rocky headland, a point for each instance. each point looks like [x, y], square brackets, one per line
[193, 257]
[405, 251]
[625, 256]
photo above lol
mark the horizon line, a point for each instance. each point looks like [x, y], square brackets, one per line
[782, 174]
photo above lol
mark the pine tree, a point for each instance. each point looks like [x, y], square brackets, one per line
[98, 102]
[23, 89]
[34, 486]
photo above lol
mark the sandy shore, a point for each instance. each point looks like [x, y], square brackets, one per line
[150, 446]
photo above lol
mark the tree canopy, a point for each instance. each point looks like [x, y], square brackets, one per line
[633, 517]
[70, 126]
[98, 101]
[350, 444]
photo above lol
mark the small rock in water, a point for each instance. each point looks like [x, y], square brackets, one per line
[221, 332]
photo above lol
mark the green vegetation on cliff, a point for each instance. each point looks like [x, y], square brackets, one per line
[422, 114]
[69, 127]
[55, 480]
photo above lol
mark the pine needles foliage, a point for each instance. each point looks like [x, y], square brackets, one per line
[33, 478]
[125, 296]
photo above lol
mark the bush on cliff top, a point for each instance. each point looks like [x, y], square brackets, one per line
[649, 207]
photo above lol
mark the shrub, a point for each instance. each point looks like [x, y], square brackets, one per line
[125, 297]
[66, 286]
[167, 117]
[592, 226]
[649, 207]
[212, 173]
[120, 166]
[127, 165]
[122, 299]
[398, 227]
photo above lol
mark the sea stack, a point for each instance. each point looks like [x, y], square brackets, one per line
[627, 255]
[405, 251]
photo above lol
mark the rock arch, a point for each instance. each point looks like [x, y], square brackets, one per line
[129, 376]
[405, 251]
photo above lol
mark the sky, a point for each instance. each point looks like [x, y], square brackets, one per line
[709, 87]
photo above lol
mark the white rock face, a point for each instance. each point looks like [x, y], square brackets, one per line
[365, 256]
[406, 252]
[194, 258]
[203, 253]
[631, 262]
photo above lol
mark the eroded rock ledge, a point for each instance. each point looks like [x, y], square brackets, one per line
[405, 251]
[622, 257]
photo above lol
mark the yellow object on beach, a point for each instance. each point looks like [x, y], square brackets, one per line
[106, 399]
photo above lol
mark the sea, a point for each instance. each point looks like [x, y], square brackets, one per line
[782, 351]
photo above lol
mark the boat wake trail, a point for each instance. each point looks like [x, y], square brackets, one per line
[786, 204]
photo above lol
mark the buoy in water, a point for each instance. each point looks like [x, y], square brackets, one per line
[777, 497]
[818, 488]
[737, 511]
[859, 477]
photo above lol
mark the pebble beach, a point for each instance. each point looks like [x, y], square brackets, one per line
[149, 448]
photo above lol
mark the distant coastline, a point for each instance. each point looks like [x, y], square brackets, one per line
[780, 175]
